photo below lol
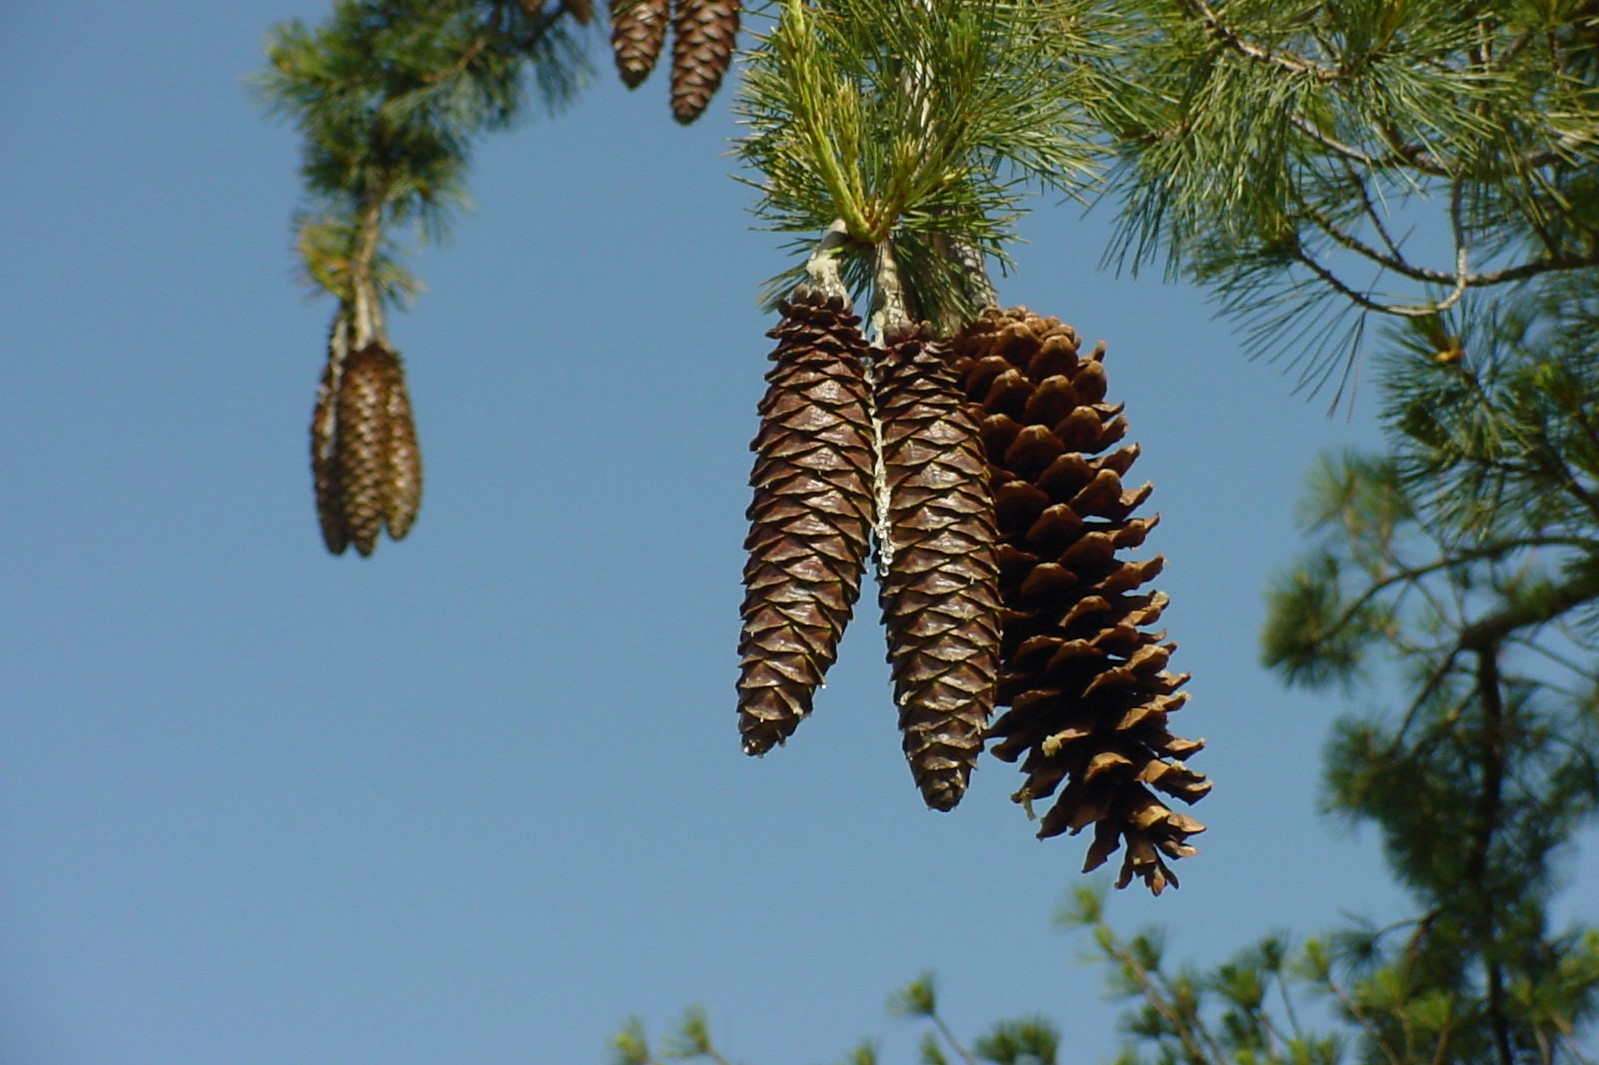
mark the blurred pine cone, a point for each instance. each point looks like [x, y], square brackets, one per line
[324, 462]
[939, 577]
[706, 32]
[365, 462]
[1085, 683]
[638, 32]
[405, 455]
[811, 515]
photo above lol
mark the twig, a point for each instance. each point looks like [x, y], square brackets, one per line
[1225, 34]
[822, 266]
[949, 1037]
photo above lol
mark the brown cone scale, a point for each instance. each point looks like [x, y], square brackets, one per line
[1084, 680]
[704, 35]
[810, 518]
[638, 32]
[939, 573]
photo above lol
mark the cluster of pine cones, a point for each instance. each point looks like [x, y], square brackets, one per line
[704, 33]
[366, 466]
[986, 466]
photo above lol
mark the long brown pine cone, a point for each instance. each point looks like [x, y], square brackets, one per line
[1084, 679]
[363, 445]
[324, 436]
[810, 518]
[638, 32]
[365, 462]
[706, 32]
[939, 581]
[405, 457]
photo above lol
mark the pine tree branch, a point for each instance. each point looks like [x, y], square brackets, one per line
[1360, 299]
[822, 266]
[1226, 35]
[1491, 751]
[1488, 631]
[949, 1037]
[366, 304]
[1192, 1041]
[1411, 574]
[1373, 1033]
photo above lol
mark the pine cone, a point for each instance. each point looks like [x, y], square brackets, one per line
[1084, 680]
[811, 516]
[638, 31]
[324, 459]
[939, 575]
[363, 445]
[405, 456]
[365, 462]
[702, 49]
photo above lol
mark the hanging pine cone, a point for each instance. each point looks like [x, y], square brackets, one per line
[810, 518]
[405, 455]
[1084, 680]
[324, 460]
[638, 32]
[939, 577]
[365, 462]
[702, 49]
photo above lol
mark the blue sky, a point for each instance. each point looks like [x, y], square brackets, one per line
[480, 797]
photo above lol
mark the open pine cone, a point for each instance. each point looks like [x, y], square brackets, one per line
[1084, 679]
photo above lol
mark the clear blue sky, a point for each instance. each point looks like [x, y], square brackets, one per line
[478, 798]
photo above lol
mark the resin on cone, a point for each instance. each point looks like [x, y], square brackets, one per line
[638, 33]
[811, 516]
[1083, 676]
[939, 578]
[704, 35]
